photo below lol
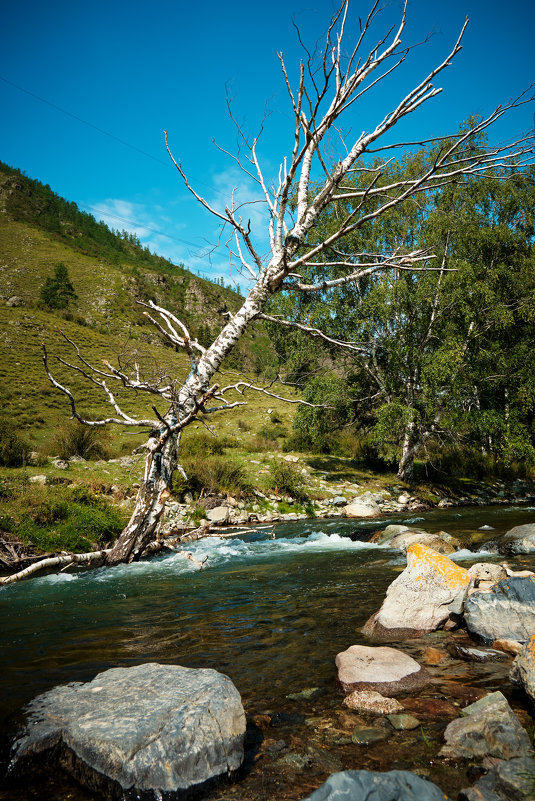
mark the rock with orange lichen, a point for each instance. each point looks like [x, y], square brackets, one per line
[422, 598]
[523, 669]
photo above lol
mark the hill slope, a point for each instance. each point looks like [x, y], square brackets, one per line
[109, 272]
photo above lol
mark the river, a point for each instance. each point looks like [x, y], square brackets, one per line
[270, 608]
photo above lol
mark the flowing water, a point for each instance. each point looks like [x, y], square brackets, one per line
[271, 609]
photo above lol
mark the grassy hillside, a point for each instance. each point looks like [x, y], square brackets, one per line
[109, 272]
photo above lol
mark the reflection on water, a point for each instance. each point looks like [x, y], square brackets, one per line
[270, 613]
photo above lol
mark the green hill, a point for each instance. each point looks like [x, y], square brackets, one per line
[109, 272]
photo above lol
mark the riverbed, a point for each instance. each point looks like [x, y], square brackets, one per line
[271, 608]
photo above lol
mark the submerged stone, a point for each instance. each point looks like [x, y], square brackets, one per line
[367, 735]
[149, 729]
[385, 670]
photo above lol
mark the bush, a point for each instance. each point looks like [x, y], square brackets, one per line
[13, 448]
[285, 478]
[213, 473]
[56, 518]
[74, 439]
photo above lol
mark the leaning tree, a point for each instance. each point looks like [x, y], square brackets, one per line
[352, 63]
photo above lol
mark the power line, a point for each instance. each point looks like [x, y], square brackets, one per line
[104, 132]
[138, 225]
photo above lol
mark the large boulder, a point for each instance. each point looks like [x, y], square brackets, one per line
[523, 668]
[385, 670]
[489, 727]
[362, 506]
[507, 611]
[441, 543]
[364, 785]
[422, 597]
[520, 539]
[139, 731]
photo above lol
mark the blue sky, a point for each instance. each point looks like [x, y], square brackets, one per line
[133, 69]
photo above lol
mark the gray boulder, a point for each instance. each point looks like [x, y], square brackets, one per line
[364, 785]
[362, 506]
[523, 668]
[441, 543]
[144, 730]
[509, 780]
[385, 670]
[520, 539]
[507, 611]
[488, 727]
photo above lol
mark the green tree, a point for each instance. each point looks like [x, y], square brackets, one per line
[58, 291]
[438, 355]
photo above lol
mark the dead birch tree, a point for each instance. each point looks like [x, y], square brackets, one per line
[353, 62]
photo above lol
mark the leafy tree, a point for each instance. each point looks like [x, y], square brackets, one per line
[57, 291]
[440, 355]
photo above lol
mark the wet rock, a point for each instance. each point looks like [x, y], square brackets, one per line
[470, 654]
[507, 646]
[523, 669]
[294, 761]
[372, 702]
[463, 692]
[364, 785]
[520, 539]
[433, 656]
[430, 708]
[488, 727]
[487, 571]
[403, 722]
[362, 506]
[286, 718]
[441, 543]
[509, 780]
[368, 735]
[506, 612]
[385, 670]
[146, 729]
[308, 694]
[422, 597]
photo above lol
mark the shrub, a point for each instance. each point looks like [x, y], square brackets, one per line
[285, 478]
[55, 518]
[74, 439]
[13, 448]
[213, 473]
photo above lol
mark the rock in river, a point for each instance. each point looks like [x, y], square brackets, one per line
[144, 730]
[523, 670]
[506, 612]
[385, 670]
[422, 597]
[520, 539]
[489, 727]
[364, 785]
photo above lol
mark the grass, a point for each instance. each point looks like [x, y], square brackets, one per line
[57, 518]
